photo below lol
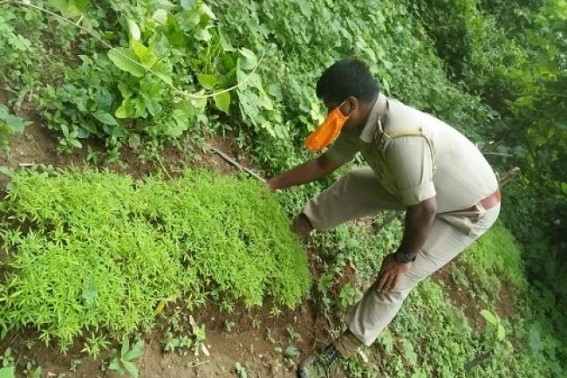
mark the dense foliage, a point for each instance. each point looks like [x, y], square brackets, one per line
[91, 250]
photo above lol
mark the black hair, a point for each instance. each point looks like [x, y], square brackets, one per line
[347, 77]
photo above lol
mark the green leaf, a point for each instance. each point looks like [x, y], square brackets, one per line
[160, 16]
[105, 118]
[500, 333]
[222, 101]
[126, 60]
[131, 368]
[126, 110]
[70, 8]
[37, 372]
[489, 316]
[207, 81]
[134, 30]
[240, 370]
[7, 372]
[199, 103]
[187, 4]
[135, 352]
[16, 124]
[115, 365]
[125, 345]
[291, 351]
[145, 54]
[247, 60]
[163, 71]
[186, 107]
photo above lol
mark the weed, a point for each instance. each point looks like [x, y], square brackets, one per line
[122, 361]
[108, 249]
[95, 344]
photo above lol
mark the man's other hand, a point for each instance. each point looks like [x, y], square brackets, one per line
[390, 273]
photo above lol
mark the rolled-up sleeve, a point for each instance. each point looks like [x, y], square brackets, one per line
[344, 148]
[411, 163]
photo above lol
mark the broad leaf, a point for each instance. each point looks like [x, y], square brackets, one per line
[207, 81]
[163, 71]
[125, 345]
[222, 101]
[160, 16]
[187, 4]
[70, 8]
[186, 108]
[105, 118]
[247, 60]
[126, 60]
[134, 30]
[135, 352]
[145, 54]
[15, 123]
[199, 103]
[489, 316]
[501, 333]
[131, 368]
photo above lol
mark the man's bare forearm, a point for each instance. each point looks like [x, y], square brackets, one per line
[307, 172]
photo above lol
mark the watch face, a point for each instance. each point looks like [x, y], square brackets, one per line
[404, 257]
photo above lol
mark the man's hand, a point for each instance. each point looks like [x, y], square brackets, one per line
[390, 273]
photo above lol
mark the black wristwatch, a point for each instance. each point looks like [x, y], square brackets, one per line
[404, 257]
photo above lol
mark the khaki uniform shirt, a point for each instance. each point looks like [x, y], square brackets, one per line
[417, 157]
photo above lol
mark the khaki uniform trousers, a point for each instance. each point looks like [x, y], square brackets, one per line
[359, 194]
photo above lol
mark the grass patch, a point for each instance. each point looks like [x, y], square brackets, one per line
[496, 257]
[99, 250]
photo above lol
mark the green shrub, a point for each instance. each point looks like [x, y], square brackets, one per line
[99, 250]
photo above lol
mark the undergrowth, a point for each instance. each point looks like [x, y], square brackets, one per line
[95, 250]
[432, 335]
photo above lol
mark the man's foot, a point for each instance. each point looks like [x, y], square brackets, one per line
[319, 366]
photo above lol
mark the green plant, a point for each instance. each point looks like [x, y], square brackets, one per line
[240, 370]
[348, 296]
[495, 327]
[32, 372]
[122, 362]
[108, 236]
[95, 344]
[7, 358]
[7, 372]
[9, 124]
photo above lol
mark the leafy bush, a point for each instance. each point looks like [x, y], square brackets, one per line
[98, 250]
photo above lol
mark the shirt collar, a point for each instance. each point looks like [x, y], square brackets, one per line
[375, 119]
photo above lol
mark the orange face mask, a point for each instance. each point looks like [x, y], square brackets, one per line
[328, 131]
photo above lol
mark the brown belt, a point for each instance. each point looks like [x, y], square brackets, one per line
[487, 203]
